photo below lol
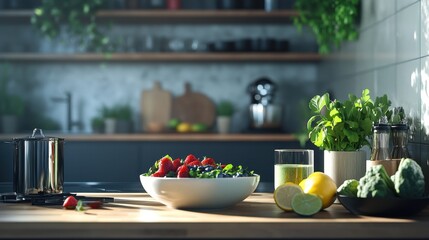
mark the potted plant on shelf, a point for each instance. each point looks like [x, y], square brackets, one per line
[117, 119]
[341, 129]
[225, 110]
[332, 22]
[97, 124]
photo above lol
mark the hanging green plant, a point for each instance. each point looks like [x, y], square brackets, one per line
[76, 18]
[332, 21]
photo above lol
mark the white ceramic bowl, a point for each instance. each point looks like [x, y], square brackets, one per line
[199, 192]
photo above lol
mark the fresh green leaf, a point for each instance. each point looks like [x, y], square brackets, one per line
[79, 206]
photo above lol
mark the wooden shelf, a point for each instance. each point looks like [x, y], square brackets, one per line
[177, 16]
[206, 137]
[164, 57]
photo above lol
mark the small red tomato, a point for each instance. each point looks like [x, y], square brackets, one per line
[70, 203]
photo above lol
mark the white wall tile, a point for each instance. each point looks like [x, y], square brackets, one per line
[424, 35]
[408, 93]
[400, 4]
[408, 33]
[385, 42]
[365, 50]
[368, 13]
[384, 9]
[364, 81]
[424, 99]
[385, 83]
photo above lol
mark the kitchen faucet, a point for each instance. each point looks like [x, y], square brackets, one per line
[68, 100]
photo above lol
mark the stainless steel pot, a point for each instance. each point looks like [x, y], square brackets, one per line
[38, 164]
[265, 116]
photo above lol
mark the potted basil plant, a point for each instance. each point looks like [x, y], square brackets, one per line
[117, 119]
[341, 129]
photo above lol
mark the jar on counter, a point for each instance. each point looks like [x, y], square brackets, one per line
[380, 142]
[400, 141]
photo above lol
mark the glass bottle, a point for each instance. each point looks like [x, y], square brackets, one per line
[400, 141]
[380, 142]
[400, 130]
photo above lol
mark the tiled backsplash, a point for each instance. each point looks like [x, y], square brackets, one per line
[390, 58]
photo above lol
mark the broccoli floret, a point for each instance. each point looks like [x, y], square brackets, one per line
[349, 188]
[376, 183]
[409, 179]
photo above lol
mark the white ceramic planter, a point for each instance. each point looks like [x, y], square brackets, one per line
[341, 166]
[109, 125]
[223, 124]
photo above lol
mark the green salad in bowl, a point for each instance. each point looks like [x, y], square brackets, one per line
[191, 183]
[192, 167]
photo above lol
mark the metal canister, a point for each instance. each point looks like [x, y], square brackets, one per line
[38, 166]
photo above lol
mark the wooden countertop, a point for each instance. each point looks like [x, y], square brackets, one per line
[137, 215]
[163, 137]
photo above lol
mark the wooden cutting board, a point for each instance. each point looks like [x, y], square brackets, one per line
[194, 107]
[155, 108]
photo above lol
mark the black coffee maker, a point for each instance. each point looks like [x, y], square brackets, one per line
[265, 116]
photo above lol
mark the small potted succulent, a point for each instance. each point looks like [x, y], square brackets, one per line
[225, 110]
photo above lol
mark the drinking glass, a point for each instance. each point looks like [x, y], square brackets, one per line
[292, 165]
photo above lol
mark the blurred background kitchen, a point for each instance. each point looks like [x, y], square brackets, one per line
[241, 51]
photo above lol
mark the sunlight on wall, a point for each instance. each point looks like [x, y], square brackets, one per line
[424, 96]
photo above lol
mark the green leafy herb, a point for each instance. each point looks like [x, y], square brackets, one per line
[332, 21]
[79, 206]
[344, 126]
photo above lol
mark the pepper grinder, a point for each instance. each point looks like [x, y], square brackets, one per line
[380, 142]
[400, 130]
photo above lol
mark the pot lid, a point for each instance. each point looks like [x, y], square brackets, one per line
[37, 137]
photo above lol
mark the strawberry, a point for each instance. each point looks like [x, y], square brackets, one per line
[195, 163]
[94, 204]
[166, 165]
[208, 161]
[190, 158]
[223, 166]
[183, 172]
[70, 202]
[176, 164]
[158, 174]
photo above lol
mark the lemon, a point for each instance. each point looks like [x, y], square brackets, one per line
[322, 185]
[284, 193]
[184, 127]
[306, 204]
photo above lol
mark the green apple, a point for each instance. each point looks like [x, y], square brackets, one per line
[173, 123]
[199, 127]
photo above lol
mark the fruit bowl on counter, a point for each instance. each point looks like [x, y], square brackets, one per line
[195, 184]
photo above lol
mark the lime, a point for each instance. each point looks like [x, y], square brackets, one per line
[306, 204]
[284, 193]
[173, 123]
[199, 127]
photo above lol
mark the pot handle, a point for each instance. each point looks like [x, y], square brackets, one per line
[35, 131]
